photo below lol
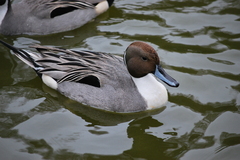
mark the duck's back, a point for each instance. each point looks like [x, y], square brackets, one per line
[117, 92]
[39, 18]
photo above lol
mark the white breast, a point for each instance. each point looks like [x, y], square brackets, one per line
[154, 92]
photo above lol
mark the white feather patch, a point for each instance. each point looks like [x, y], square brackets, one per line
[101, 7]
[49, 81]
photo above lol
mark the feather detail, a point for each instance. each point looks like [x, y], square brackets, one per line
[57, 65]
[56, 8]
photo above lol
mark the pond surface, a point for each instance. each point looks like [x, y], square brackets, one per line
[199, 45]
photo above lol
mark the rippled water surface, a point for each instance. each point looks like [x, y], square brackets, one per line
[199, 45]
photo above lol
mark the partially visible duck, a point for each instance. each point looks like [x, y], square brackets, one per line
[104, 81]
[42, 17]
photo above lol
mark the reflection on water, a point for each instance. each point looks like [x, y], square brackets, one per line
[198, 43]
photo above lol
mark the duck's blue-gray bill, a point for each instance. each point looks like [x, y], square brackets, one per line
[162, 75]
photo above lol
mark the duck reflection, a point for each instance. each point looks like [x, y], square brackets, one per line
[146, 145]
[195, 139]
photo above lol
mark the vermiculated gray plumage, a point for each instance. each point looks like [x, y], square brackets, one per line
[42, 17]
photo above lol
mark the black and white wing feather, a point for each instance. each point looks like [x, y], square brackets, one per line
[69, 65]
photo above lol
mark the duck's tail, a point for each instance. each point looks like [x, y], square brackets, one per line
[26, 57]
[30, 59]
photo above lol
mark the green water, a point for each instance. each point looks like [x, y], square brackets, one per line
[199, 45]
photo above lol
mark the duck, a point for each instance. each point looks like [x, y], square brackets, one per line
[43, 17]
[131, 83]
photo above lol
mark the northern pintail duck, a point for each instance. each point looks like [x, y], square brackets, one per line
[101, 80]
[41, 17]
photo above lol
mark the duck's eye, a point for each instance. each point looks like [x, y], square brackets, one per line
[2, 3]
[144, 58]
